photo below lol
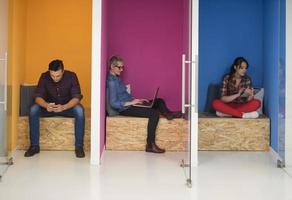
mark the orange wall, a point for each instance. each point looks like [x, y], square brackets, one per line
[16, 63]
[59, 29]
[40, 31]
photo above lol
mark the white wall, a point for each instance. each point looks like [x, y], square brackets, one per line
[288, 123]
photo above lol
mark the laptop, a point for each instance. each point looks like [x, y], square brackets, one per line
[148, 104]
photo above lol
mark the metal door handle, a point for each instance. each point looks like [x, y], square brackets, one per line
[184, 62]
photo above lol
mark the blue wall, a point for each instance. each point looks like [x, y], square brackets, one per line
[254, 29]
[227, 29]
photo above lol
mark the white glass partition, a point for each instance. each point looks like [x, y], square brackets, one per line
[288, 87]
[4, 161]
[281, 78]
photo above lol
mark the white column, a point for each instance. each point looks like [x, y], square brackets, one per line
[95, 82]
[194, 82]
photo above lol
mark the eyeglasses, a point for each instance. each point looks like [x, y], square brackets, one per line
[120, 67]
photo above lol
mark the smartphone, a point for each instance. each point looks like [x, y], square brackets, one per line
[52, 105]
[244, 95]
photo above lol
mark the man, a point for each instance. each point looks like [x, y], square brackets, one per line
[58, 94]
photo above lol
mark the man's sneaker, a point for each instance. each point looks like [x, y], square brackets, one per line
[220, 114]
[33, 149]
[250, 115]
[79, 152]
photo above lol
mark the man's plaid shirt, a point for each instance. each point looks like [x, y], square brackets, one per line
[229, 88]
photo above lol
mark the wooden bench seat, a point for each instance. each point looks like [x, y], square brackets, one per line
[226, 133]
[56, 133]
[129, 133]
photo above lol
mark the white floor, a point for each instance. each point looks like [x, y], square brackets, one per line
[139, 176]
[288, 170]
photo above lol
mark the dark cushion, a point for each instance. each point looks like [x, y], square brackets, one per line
[212, 93]
[26, 99]
[110, 111]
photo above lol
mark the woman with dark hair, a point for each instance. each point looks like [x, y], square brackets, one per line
[237, 96]
[124, 103]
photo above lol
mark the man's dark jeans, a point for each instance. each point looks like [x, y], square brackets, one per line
[37, 111]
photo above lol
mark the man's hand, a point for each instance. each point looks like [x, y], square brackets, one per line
[50, 107]
[59, 108]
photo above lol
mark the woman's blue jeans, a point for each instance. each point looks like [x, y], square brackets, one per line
[36, 111]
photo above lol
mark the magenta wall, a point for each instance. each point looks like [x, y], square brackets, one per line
[150, 35]
[186, 46]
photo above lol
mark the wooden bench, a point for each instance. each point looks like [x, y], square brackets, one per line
[225, 133]
[129, 133]
[56, 133]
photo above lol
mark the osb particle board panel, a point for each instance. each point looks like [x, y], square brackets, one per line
[56, 133]
[129, 133]
[234, 134]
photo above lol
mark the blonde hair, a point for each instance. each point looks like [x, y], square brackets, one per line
[113, 61]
